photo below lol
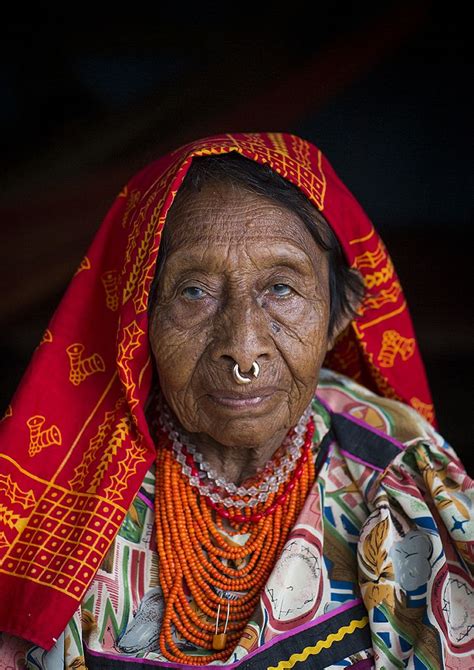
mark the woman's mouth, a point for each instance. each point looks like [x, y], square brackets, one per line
[234, 400]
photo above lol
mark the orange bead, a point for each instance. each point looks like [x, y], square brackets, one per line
[219, 641]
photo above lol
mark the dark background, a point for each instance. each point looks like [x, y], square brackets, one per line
[382, 88]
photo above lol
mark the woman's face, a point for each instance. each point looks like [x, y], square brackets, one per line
[243, 282]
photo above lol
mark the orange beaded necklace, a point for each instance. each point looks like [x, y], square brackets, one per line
[211, 584]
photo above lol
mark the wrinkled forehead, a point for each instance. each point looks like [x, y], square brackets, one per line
[224, 213]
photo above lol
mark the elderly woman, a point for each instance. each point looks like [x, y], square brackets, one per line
[184, 484]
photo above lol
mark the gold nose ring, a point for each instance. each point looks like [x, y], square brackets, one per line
[243, 379]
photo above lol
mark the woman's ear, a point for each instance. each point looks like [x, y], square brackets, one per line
[341, 326]
[355, 301]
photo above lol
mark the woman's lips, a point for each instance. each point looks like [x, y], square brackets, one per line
[234, 400]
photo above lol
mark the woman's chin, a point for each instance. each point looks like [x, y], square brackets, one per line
[246, 436]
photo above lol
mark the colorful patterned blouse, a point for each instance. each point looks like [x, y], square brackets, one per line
[376, 573]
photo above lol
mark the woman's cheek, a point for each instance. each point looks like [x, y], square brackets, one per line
[303, 342]
[177, 351]
[299, 310]
[303, 320]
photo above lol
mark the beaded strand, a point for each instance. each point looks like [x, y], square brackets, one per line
[198, 558]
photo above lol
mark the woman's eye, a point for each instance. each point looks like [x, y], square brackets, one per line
[280, 290]
[193, 293]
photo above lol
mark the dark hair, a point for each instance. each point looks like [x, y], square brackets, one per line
[346, 288]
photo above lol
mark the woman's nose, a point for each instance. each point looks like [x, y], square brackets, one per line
[241, 335]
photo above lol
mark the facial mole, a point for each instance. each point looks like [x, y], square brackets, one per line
[275, 327]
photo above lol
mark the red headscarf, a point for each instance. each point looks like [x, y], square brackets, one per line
[75, 445]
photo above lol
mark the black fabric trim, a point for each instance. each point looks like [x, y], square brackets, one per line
[323, 449]
[280, 651]
[363, 442]
[350, 644]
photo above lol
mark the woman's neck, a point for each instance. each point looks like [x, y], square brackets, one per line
[236, 464]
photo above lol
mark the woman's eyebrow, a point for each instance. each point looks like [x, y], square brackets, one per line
[296, 259]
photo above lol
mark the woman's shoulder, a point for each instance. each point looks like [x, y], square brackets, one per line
[383, 435]
[386, 417]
